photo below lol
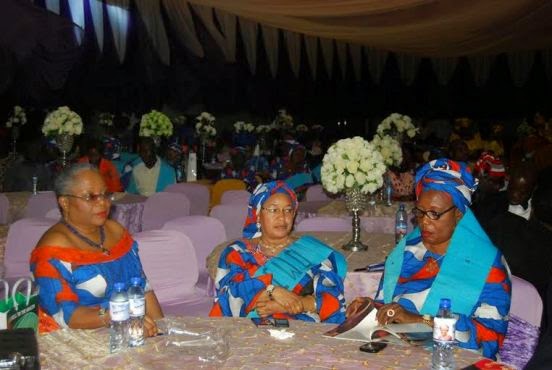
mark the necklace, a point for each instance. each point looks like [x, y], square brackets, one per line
[271, 250]
[87, 240]
[433, 264]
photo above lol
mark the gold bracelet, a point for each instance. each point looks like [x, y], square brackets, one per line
[101, 314]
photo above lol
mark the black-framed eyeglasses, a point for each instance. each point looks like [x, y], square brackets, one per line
[277, 211]
[432, 215]
[92, 198]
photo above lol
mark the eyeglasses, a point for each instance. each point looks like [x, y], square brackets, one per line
[276, 211]
[93, 198]
[432, 215]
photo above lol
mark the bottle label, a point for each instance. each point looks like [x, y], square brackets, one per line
[444, 329]
[137, 307]
[119, 311]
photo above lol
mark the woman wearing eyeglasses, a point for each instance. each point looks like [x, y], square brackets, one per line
[447, 256]
[269, 273]
[79, 259]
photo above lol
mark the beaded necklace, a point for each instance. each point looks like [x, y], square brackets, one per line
[87, 240]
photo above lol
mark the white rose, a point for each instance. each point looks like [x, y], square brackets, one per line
[349, 181]
[352, 167]
[340, 181]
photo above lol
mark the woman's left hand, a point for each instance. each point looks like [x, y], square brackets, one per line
[395, 313]
[268, 307]
[150, 327]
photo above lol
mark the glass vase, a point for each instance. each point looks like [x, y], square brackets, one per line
[64, 143]
[355, 201]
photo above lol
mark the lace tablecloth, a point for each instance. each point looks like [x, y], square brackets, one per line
[249, 348]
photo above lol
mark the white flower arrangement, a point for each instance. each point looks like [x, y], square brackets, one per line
[242, 127]
[263, 129]
[106, 119]
[389, 148]
[301, 128]
[352, 163]
[154, 124]
[205, 126]
[18, 117]
[283, 120]
[62, 121]
[397, 123]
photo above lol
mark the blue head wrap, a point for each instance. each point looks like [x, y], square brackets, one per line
[251, 228]
[449, 176]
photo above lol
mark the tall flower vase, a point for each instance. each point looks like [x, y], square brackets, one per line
[64, 143]
[355, 202]
[14, 136]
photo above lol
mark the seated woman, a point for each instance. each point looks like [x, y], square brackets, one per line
[79, 259]
[447, 256]
[250, 279]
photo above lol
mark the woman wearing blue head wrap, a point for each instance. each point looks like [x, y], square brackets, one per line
[448, 256]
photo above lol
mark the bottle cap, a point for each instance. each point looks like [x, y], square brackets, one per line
[444, 303]
[119, 286]
[401, 206]
[136, 280]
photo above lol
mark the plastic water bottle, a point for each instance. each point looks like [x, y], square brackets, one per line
[443, 338]
[137, 303]
[388, 192]
[119, 312]
[401, 223]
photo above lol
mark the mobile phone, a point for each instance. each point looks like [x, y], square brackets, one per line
[262, 321]
[373, 347]
[281, 323]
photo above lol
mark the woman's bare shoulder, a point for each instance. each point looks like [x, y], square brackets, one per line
[114, 228]
[56, 236]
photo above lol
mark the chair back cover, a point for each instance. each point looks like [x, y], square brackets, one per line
[198, 194]
[325, 224]
[23, 235]
[232, 217]
[205, 233]
[54, 214]
[162, 207]
[169, 262]
[38, 205]
[523, 328]
[235, 197]
[385, 225]
[316, 193]
[4, 207]
[224, 185]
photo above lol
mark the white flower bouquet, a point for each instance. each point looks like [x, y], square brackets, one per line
[263, 129]
[62, 121]
[397, 124]
[18, 117]
[205, 125]
[389, 148]
[154, 124]
[283, 120]
[242, 127]
[301, 128]
[352, 163]
[106, 119]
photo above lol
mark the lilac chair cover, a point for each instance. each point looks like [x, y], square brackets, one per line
[170, 264]
[385, 225]
[38, 205]
[22, 238]
[523, 329]
[235, 197]
[325, 224]
[316, 193]
[232, 217]
[4, 207]
[205, 233]
[54, 214]
[198, 194]
[162, 207]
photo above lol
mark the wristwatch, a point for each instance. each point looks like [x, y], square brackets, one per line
[269, 290]
[428, 320]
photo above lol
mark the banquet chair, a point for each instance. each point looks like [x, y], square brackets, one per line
[162, 207]
[198, 194]
[170, 264]
[235, 196]
[205, 233]
[232, 217]
[385, 225]
[324, 224]
[524, 325]
[316, 193]
[53, 214]
[224, 185]
[4, 208]
[38, 205]
[23, 235]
